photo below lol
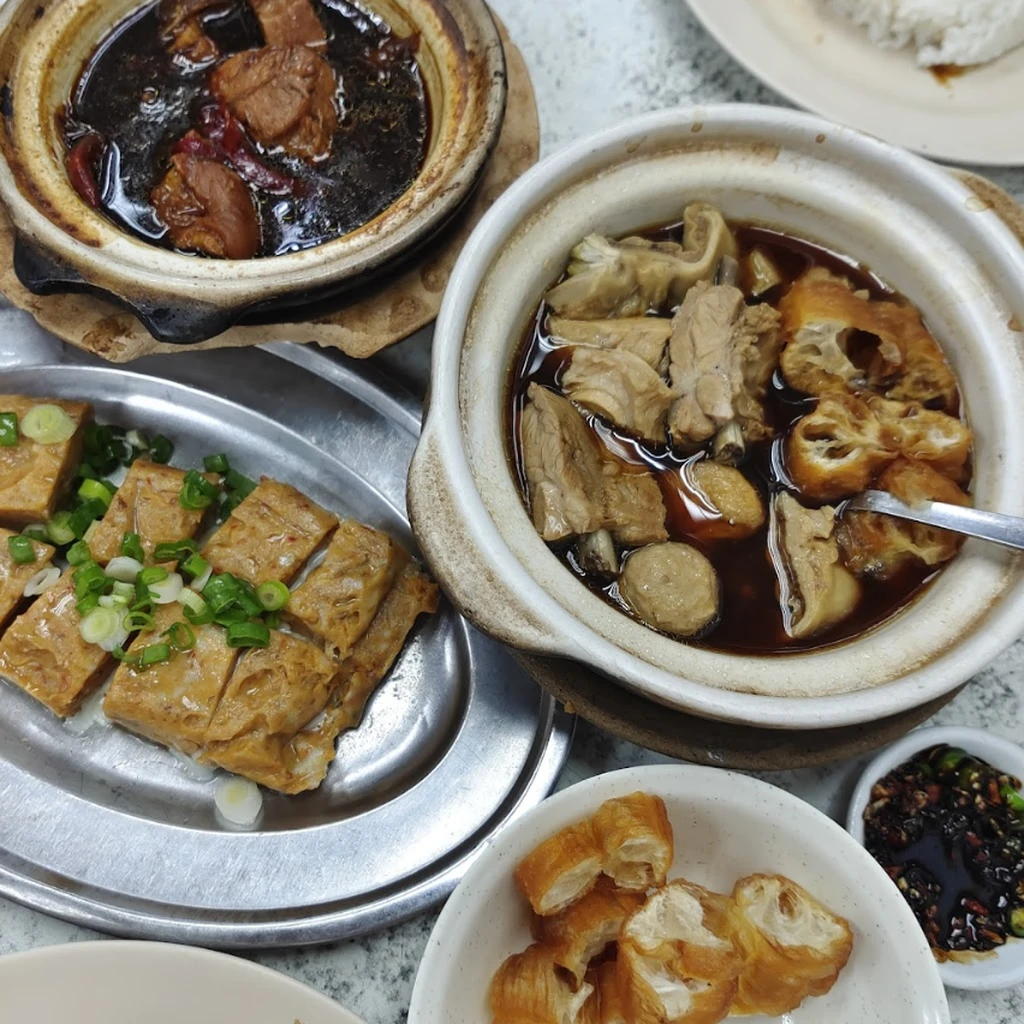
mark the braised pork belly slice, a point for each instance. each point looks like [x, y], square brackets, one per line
[207, 208]
[285, 97]
[181, 28]
[644, 336]
[290, 23]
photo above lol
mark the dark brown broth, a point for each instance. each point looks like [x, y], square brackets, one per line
[751, 619]
[141, 102]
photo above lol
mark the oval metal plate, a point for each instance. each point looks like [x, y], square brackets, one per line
[107, 830]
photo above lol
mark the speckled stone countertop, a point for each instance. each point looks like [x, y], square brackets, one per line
[595, 62]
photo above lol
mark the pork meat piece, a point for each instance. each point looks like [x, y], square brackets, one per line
[622, 388]
[207, 208]
[636, 276]
[285, 97]
[723, 354]
[181, 28]
[290, 23]
[815, 589]
[671, 587]
[633, 506]
[563, 467]
[644, 336]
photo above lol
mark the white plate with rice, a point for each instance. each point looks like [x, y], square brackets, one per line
[865, 63]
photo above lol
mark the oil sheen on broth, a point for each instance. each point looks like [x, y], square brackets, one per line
[140, 100]
[751, 620]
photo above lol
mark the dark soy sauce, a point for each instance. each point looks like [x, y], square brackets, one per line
[751, 620]
[141, 102]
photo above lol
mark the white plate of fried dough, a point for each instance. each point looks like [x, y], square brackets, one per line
[676, 895]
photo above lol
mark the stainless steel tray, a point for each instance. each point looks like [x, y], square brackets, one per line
[109, 831]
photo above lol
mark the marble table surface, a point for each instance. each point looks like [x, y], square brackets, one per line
[595, 62]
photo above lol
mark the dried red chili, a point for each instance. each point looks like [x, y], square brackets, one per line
[81, 163]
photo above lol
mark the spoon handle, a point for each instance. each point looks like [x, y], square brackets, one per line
[991, 526]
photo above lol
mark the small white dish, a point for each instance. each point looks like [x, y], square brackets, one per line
[129, 982]
[827, 64]
[726, 826]
[1006, 968]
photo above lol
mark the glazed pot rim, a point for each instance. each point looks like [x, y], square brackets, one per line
[538, 622]
[113, 259]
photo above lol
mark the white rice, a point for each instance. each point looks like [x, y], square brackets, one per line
[959, 32]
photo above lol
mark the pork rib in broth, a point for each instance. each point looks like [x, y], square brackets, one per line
[691, 407]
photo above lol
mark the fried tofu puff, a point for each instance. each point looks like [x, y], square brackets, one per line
[561, 870]
[530, 988]
[636, 836]
[792, 946]
[582, 932]
[942, 441]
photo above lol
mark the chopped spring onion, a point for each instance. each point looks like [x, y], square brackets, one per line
[105, 450]
[96, 490]
[196, 491]
[199, 583]
[240, 485]
[273, 595]
[124, 568]
[125, 590]
[216, 463]
[21, 549]
[79, 553]
[36, 531]
[138, 619]
[8, 429]
[273, 620]
[230, 615]
[86, 603]
[154, 574]
[91, 531]
[131, 546]
[154, 654]
[137, 439]
[238, 803]
[113, 601]
[58, 529]
[89, 579]
[174, 550]
[48, 424]
[86, 472]
[194, 566]
[41, 581]
[248, 634]
[167, 590]
[247, 600]
[84, 516]
[180, 636]
[221, 591]
[100, 624]
[197, 611]
[161, 449]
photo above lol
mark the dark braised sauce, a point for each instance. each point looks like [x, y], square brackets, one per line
[134, 94]
[949, 830]
[751, 621]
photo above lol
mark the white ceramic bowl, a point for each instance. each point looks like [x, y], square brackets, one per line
[1006, 968]
[913, 222]
[726, 826]
[129, 982]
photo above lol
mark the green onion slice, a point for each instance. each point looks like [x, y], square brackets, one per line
[86, 603]
[21, 549]
[154, 654]
[104, 627]
[167, 590]
[241, 486]
[216, 463]
[174, 550]
[58, 529]
[84, 516]
[248, 634]
[124, 568]
[79, 553]
[161, 449]
[221, 591]
[180, 636]
[41, 581]
[138, 619]
[273, 595]
[37, 532]
[196, 491]
[48, 424]
[154, 574]
[194, 566]
[8, 429]
[131, 546]
[96, 490]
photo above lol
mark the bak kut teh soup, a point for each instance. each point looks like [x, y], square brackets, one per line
[240, 128]
[689, 411]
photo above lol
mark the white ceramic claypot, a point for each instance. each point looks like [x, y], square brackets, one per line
[914, 223]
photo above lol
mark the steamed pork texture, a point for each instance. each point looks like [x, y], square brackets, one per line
[722, 354]
[207, 208]
[671, 587]
[815, 590]
[44, 653]
[181, 28]
[838, 449]
[13, 577]
[635, 276]
[33, 475]
[622, 388]
[285, 97]
[530, 988]
[146, 503]
[792, 946]
[643, 336]
[172, 702]
[876, 545]
[290, 22]
[732, 507]
[821, 313]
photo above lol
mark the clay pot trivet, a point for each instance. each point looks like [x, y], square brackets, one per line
[380, 316]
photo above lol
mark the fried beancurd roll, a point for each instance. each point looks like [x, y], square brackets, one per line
[690, 929]
[530, 987]
[636, 837]
[561, 870]
[583, 930]
[654, 994]
[612, 1001]
[792, 946]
